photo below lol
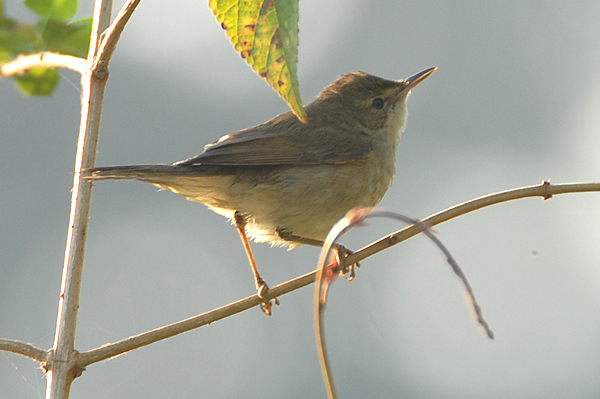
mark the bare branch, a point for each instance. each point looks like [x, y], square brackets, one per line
[24, 349]
[111, 35]
[544, 190]
[329, 267]
[44, 59]
[47, 59]
[359, 214]
[61, 366]
[114, 349]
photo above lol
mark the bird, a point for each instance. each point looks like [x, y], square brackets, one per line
[286, 182]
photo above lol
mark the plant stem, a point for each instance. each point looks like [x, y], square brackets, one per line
[60, 366]
[45, 59]
[544, 190]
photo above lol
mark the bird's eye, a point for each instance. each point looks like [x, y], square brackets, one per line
[378, 103]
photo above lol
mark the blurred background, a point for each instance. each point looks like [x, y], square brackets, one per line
[516, 100]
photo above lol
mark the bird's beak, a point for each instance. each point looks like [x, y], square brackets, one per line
[417, 78]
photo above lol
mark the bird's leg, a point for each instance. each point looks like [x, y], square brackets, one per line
[261, 286]
[341, 252]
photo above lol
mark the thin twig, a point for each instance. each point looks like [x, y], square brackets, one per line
[111, 36]
[55, 60]
[61, 366]
[44, 59]
[544, 190]
[470, 296]
[103, 42]
[426, 229]
[326, 274]
[114, 349]
[24, 349]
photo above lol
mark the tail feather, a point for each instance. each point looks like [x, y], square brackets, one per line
[141, 172]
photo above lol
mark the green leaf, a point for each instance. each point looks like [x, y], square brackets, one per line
[60, 37]
[265, 33]
[14, 42]
[16, 38]
[56, 9]
[38, 81]
[5, 56]
[78, 42]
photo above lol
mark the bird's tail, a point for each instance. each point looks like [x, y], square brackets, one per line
[149, 173]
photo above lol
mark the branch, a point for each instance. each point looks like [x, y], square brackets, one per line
[111, 35]
[114, 349]
[61, 365]
[47, 59]
[44, 59]
[544, 190]
[59, 362]
[21, 348]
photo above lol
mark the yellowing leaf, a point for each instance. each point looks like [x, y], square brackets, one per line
[265, 33]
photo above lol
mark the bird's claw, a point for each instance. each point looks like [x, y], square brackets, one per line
[342, 253]
[265, 303]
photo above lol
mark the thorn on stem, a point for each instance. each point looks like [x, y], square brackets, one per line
[546, 185]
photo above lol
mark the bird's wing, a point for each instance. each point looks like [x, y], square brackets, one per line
[266, 145]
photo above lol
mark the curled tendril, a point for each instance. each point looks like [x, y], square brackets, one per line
[330, 263]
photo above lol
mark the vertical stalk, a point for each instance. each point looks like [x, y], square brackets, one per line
[61, 370]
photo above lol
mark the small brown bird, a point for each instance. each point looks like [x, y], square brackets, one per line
[286, 182]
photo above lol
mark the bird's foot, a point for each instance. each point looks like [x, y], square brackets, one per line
[342, 268]
[265, 303]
